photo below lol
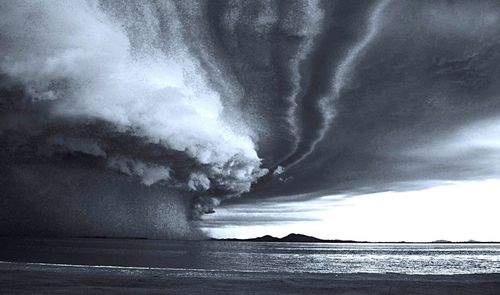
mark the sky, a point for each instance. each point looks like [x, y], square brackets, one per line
[366, 120]
[457, 211]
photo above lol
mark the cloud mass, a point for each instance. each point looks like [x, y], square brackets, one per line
[153, 114]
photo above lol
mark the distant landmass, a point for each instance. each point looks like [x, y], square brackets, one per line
[300, 238]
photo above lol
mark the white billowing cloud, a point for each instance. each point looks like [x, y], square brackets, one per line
[198, 182]
[82, 60]
[457, 211]
[76, 144]
[149, 173]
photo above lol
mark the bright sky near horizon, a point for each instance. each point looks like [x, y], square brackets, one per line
[457, 211]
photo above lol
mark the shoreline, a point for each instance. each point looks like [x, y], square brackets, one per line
[250, 240]
[30, 278]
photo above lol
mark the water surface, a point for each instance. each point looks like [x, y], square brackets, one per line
[260, 256]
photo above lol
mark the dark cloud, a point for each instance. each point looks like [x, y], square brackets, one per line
[410, 89]
[133, 119]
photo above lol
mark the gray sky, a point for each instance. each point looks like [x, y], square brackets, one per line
[294, 116]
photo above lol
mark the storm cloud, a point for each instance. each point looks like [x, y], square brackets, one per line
[135, 119]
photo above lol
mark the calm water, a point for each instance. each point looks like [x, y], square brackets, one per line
[261, 257]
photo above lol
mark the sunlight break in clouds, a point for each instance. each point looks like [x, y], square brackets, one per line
[457, 211]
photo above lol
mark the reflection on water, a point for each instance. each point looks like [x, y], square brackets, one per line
[261, 257]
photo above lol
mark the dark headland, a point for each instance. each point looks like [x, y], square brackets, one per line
[291, 238]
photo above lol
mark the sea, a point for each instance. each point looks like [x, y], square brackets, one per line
[261, 257]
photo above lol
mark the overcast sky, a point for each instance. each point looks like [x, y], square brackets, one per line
[413, 151]
[367, 120]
